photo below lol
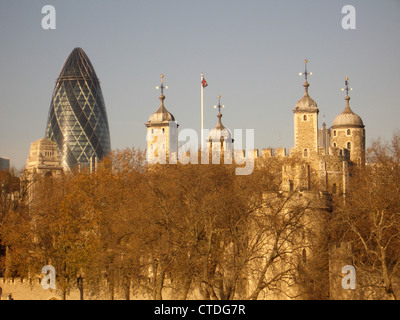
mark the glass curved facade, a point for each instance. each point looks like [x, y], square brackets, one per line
[77, 119]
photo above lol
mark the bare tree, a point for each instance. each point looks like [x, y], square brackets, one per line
[370, 220]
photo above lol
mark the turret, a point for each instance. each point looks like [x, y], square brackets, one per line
[348, 131]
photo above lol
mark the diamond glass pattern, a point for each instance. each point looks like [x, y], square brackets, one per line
[77, 118]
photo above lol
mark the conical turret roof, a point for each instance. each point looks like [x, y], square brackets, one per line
[162, 114]
[219, 130]
[347, 118]
[306, 103]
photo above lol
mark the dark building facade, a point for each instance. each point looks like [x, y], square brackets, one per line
[4, 163]
[77, 119]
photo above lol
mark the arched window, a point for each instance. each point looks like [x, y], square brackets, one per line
[334, 133]
[163, 130]
[334, 144]
[305, 153]
[305, 117]
[348, 145]
[348, 132]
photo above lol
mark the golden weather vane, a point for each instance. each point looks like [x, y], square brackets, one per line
[346, 86]
[305, 73]
[162, 87]
[219, 104]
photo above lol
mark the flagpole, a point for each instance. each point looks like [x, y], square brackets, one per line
[202, 112]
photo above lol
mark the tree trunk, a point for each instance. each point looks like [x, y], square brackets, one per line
[186, 287]
[127, 288]
[159, 284]
[80, 287]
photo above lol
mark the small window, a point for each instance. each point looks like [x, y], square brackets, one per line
[348, 132]
[334, 133]
[163, 130]
[348, 145]
[334, 144]
[305, 117]
[304, 254]
[305, 153]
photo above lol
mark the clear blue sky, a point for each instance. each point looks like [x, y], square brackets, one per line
[249, 51]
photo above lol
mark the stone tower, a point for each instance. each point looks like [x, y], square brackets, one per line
[162, 134]
[306, 122]
[324, 138]
[348, 131]
[44, 160]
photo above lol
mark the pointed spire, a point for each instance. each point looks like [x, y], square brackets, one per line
[306, 103]
[219, 115]
[305, 73]
[347, 117]
[162, 113]
[162, 87]
[347, 98]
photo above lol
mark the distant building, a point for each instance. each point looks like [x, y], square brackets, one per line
[4, 163]
[44, 158]
[43, 161]
[77, 119]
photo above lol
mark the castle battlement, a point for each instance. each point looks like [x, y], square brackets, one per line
[334, 152]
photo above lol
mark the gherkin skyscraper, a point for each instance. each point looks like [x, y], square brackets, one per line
[77, 119]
